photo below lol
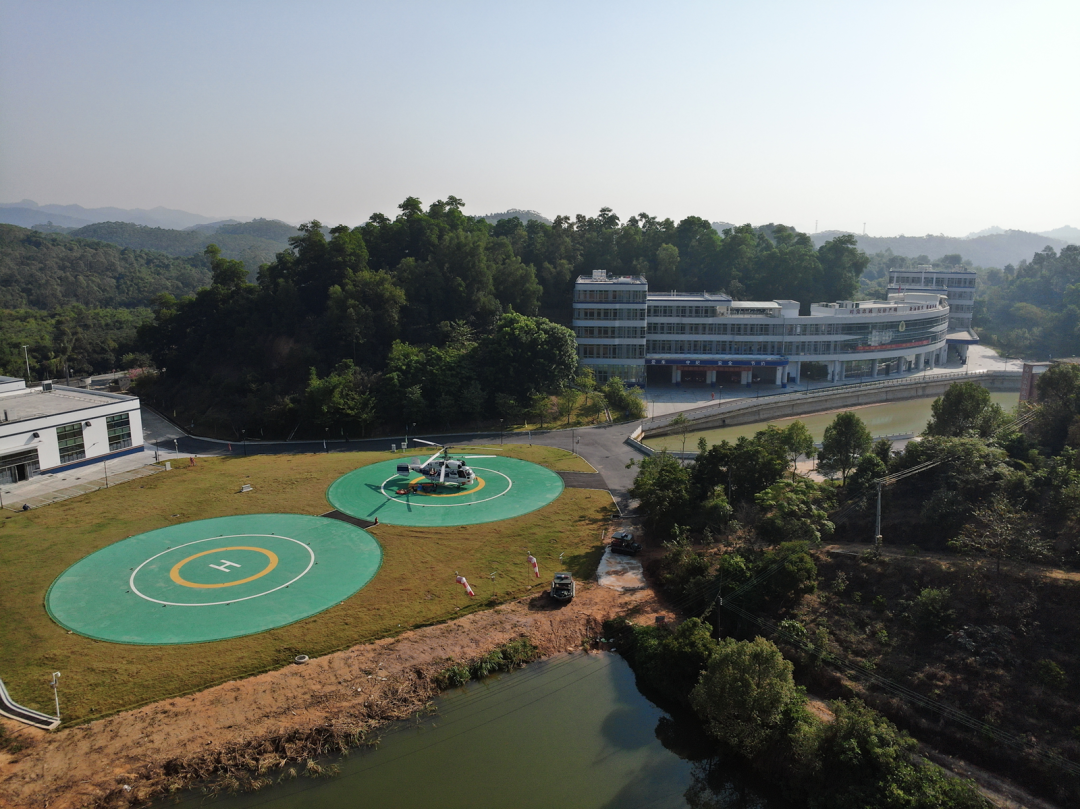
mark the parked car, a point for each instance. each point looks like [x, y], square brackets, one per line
[623, 542]
[562, 588]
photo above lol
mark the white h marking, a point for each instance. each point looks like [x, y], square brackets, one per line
[224, 566]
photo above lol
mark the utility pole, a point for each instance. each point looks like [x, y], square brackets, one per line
[877, 528]
[27, 356]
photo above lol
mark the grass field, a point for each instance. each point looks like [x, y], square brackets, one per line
[414, 587]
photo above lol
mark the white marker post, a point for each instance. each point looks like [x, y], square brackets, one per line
[56, 694]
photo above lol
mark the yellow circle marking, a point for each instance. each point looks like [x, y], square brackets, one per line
[174, 574]
[479, 485]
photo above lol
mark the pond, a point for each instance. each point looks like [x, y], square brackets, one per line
[570, 731]
[890, 418]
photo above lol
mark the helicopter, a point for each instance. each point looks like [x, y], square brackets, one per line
[444, 471]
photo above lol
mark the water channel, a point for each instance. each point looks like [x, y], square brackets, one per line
[570, 731]
[890, 418]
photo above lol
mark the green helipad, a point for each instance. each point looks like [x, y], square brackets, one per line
[504, 488]
[213, 579]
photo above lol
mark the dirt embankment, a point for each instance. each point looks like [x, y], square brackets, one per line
[275, 720]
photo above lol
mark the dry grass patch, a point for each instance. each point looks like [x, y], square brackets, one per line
[414, 587]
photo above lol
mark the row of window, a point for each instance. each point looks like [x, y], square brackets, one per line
[609, 314]
[611, 295]
[611, 352]
[656, 310]
[624, 332]
[920, 281]
[69, 438]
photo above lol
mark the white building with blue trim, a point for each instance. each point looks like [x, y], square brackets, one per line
[623, 330]
[53, 428]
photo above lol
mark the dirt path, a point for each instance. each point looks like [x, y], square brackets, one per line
[856, 548]
[139, 754]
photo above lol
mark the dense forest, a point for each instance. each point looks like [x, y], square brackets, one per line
[254, 243]
[77, 304]
[952, 626]
[1033, 310]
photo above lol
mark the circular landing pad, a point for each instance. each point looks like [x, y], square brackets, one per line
[504, 488]
[213, 579]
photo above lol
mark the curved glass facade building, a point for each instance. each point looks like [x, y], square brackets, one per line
[625, 331]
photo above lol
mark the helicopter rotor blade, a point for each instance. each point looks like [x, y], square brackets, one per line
[432, 458]
[478, 456]
[429, 443]
[442, 474]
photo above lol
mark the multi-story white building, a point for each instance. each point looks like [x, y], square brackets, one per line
[957, 285]
[53, 428]
[625, 331]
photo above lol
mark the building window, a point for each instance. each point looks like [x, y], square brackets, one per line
[119, 428]
[69, 440]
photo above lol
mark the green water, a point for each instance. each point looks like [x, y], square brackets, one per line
[891, 418]
[572, 731]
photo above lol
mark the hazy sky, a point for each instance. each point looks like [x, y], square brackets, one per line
[912, 117]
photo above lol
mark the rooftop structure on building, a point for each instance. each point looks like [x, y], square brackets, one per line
[625, 331]
[53, 428]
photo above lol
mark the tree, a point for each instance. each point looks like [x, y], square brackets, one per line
[797, 442]
[342, 399]
[861, 759]
[1059, 403]
[662, 486]
[526, 355]
[586, 381]
[1001, 531]
[566, 402]
[747, 695]
[227, 273]
[965, 411]
[795, 510]
[682, 424]
[845, 440]
[628, 401]
[744, 468]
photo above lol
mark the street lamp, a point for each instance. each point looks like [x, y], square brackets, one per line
[176, 447]
[407, 434]
[500, 432]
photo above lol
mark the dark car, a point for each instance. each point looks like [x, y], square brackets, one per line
[623, 542]
[562, 588]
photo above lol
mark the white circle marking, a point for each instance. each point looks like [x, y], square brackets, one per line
[134, 589]
[509, 486]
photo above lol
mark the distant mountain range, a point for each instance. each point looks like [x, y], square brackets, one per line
[990, 250]
[28, 213]
[259, 239]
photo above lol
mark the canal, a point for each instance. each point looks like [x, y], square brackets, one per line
[889, 418]
[570, 731]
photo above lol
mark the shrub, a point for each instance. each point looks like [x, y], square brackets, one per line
[930, 608]
[1051, 675]
[747, 697]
